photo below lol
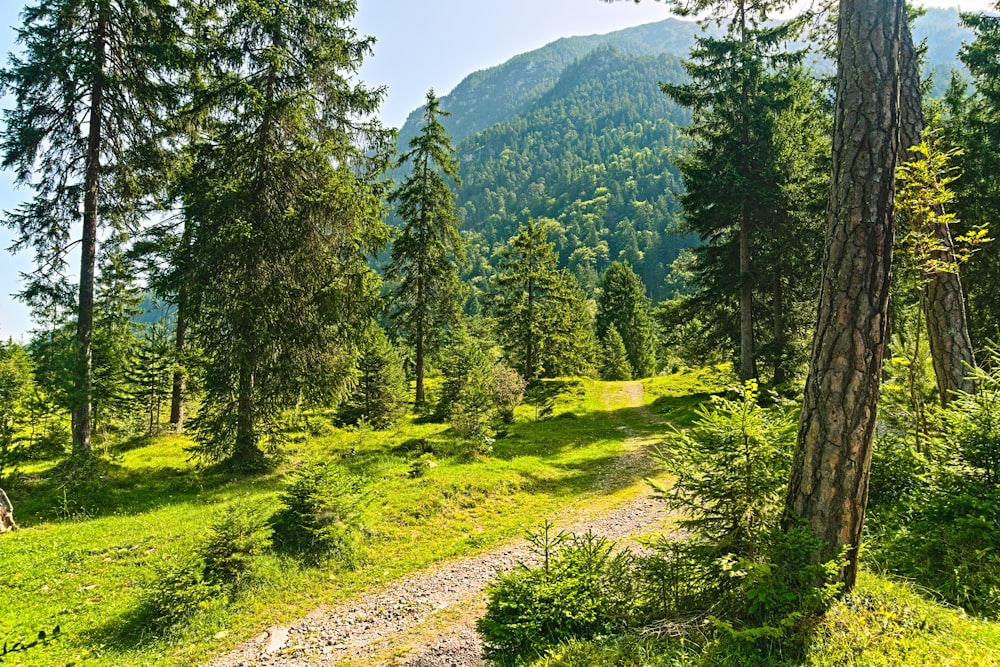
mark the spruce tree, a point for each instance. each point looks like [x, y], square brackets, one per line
[731, 172]
[614, 364]
[569, 346]
[623, 304]
[284, 198]
[541, 313]
[424, 262]
[379, 393]
[89, 88]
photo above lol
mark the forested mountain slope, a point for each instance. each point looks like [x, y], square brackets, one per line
[579, 131]
[594, 154]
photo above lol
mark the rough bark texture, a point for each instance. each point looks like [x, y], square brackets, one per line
[829, 482]
[180, 379]
[82, 409]
[944, 304]
[6, 513]
[780, 374]
[748, 364]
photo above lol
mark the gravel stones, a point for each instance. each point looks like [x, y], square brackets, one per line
[377, 622]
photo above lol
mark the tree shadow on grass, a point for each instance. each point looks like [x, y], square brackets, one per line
[681, 411]
[106, 488]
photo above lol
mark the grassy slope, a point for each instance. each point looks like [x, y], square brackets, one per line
[85, 571]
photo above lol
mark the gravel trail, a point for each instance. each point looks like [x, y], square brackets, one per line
[429, 618]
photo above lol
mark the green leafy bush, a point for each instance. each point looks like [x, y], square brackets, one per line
[216, 569]
[944, 527]
[583, 588]
[234, 541]
[951, 546]
[321, 518]
[732, 468]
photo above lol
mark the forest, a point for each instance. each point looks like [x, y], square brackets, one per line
[734, 280]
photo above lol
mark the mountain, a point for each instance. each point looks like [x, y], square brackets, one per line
[578, 131]
[595, 154]
[499, 93]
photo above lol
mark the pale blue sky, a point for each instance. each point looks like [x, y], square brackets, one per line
[421, 44]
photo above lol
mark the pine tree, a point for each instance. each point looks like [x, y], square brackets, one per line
[284, 200]
[973, 125]
[541, 314]
[615, 364]
[379, 394]
[424, 262]
[568, 346]
[623, 305]
[116, 340]
[829, 482]
[523, 279]
[152, 377]
[89, 89]
[731, 172]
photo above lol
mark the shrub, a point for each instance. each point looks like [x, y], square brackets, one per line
[583, 588]
[177, 591]
[508, 391]
[321, 518]
[951, 546]
[238, 535]
[732, 468]
[216, 569]
[947, 524]
[379, 394]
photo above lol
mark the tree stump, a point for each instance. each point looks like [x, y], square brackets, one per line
[6, 513]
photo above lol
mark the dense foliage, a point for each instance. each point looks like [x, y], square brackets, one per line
[423, 268]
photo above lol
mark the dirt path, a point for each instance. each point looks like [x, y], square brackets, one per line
[429, 619]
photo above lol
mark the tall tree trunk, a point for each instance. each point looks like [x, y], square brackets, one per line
[418, 361]
[246, 453]
[779, 332]
[82, 409]
[180, 344]
[180, 378]
[944, 302]
[829, 481]
[748, 364]
[529, 353]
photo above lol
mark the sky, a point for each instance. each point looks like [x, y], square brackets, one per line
[420, 44]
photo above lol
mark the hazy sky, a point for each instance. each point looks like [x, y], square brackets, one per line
[421, 44]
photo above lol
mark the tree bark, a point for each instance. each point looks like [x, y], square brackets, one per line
[82, 417]
[180, 343]
[780, 373]
[944, 302]
[247, 455]
[829, 482]
[748, 364]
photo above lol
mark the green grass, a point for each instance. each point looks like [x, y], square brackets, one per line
[81, 562]
[882, 623]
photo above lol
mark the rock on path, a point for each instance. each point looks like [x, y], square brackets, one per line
[374, 625]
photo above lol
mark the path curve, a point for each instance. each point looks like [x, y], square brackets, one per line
[428, 619]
